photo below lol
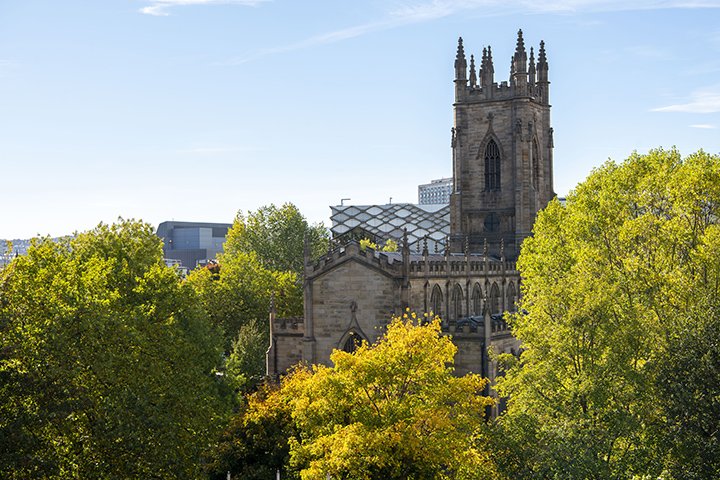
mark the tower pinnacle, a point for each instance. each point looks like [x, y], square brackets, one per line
[460, 63]
[519, 63]
[542, 75]
[541, 54]
[460, 70]
[520, 47]
[531, 68]
[487, 71]
[473, 77]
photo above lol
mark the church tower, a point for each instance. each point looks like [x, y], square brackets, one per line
[502, 146]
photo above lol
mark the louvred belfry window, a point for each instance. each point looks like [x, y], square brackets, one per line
[535, 165]
[492, 166]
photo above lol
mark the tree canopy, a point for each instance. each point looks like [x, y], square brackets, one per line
[240, 289]
[277, 236]
[389, 410]
[262, 262]
[621, 290]
[106, 361]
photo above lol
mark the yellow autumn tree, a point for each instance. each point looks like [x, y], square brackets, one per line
[391, 410]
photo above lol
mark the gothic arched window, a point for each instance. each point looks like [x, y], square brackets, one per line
[476, 300]
[436, 301]
[511, 297]
[456, 303]
[494, 299]
[492, 166]
[352, 342]
[535, 165]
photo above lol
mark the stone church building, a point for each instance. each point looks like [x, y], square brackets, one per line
[502, 147]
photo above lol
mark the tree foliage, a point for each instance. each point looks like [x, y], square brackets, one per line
[106, 362]
[255, 444]
[262, 263]
[277, 236]
[391, 410]
[242, 366]
[617, 285]
[389, 246]
[240, 290]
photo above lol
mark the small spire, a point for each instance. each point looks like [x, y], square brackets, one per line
[467, 245]
[487, 71]
[473, 77]
[485, 248]
[542, 71]
[502, 249]
[460, 63]
[531, 69]
[405, 243]
[425, 247]
[520, 47]
[541, 55]
[520, 61]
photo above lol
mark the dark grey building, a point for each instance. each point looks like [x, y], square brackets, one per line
[192, 242]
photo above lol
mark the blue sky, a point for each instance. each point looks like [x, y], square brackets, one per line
[195, 109]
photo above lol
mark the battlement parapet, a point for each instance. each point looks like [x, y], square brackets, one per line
[388, 261]
[503, 91]
[289, 325]
[466, 325]
[461, 265]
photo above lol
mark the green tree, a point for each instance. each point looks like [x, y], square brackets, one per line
[243, 366]
[613, 282]
[277, 236]
[389, 410]
[262, 262]
[106, 361]
[389, 246]
[255, 444]
[240, 289]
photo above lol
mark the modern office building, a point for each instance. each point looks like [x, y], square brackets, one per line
[437, 192]
[192, 242]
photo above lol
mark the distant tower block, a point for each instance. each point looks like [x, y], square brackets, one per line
[502, 151]
[437, 192]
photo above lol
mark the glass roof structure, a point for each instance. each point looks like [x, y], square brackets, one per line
[383, 222]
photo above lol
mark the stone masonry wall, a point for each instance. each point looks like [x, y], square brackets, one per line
[351, 296]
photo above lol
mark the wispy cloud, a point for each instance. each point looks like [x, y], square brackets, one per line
[701, 101]
[322, 39]
[414, 12]
[159, 8]
[704, 126]
[433, 9]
